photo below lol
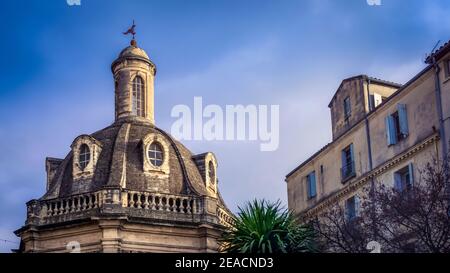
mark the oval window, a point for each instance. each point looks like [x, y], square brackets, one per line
[84, 157]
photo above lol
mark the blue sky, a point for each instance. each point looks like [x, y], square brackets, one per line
[56, 82]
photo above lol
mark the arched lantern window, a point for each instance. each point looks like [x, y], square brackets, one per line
[138, 96]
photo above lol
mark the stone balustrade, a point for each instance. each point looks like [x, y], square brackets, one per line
[138, 201]
[163, 202]
[225, 218]
[74, 203]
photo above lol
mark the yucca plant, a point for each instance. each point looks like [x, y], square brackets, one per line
[265, 227]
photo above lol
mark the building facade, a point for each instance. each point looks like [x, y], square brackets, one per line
[382, 132]
[129, 187]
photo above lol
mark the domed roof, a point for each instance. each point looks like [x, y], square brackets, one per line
[133, 51]
[121, 157]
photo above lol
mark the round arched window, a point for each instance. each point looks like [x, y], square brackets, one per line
[155, 154]
[84, 156]
[138, 96]
[212, 172]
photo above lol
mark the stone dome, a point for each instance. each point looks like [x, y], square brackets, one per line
[131, 179]
[122, 158]
[133, 51]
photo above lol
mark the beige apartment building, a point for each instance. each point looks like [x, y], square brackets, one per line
[383, 132]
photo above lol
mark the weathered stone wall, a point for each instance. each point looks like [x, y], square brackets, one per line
[354, 90]
[123, 236]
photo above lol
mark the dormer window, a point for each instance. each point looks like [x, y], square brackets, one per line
[155, 154]
[212, 172]
[84, 156]
[86, 151]
[207, 165]
[138, 96]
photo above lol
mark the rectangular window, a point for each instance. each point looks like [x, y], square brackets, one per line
[348, 163]
[397, 132]
[404, 178]
[347, 108]
[397, 125]
[311, 184]
[352, 207]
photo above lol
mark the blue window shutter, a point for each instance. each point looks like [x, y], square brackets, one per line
[344, 159]
[397, 181]
[411, 174]
[352, 157]
[351, 153]
[308, 186]
[313, 184]
[403, 119]
[390, 131]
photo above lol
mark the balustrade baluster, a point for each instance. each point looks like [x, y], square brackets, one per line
[158, 202]
[188, 208]
[166, 204]
[67, 208]
[152, 204]
[146, 201]
[49, 209]
[84, 203]
[95, 196]
[90, 202]
[131, 200]
[138, 202]
[180, 205]
[172, 204]
[60, 209]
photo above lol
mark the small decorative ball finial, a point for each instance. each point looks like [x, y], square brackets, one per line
[133, 43]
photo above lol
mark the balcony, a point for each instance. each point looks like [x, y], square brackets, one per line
[348, 171]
